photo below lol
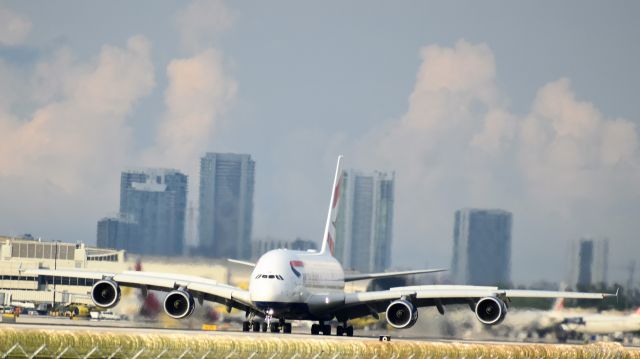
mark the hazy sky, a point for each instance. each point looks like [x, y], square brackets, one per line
[532, 108]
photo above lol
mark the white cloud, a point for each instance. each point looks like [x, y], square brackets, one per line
[78, 137]
[498, 132]
[570, 151]
[14, 28]
[198, 93]
[619, 142]
[458, 145]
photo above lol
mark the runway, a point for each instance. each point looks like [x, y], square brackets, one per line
[56, 324]
[120, 340]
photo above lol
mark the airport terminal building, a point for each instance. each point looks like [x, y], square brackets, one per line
[19, 253]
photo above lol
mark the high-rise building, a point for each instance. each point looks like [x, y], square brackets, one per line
[365, 221]
[191, 226]
[482, 247]
[115, 232]
[226, 205]
[152, 213]
[589, 261]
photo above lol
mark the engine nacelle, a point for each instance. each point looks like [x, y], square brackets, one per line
[105, 293]
[402, 314]
[179, 304]
[491, 310]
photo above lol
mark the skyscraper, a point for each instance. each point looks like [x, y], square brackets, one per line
[226, 205]
[152, 213]
[589, 261]
[115, 232]
[365, 221]
[482, 247]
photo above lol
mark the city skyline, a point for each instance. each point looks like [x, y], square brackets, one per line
[466, 113]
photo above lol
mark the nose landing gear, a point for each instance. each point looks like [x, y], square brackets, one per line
[268, 325]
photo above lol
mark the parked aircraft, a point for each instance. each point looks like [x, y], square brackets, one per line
[587, 324]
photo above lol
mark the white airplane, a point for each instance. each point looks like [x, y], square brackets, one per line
[572, 323]
[296, 285]
[602, 323]
[566, 323]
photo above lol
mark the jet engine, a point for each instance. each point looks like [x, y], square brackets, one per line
[491, 310]
[105, 293]
[179, 304]
[402, 314]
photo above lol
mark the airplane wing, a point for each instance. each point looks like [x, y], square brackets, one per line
[200, 288]
[370, 303]
[244, 263]
[353, 277]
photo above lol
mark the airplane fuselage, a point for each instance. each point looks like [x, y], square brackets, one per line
[297, 285]
[605, 324]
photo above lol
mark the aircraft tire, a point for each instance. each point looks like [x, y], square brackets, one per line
[263, 326]
[339, 331]
[315, 329]
[349, 331]
[255, 326]
[245, 326]
[326, 329]
[287, 328]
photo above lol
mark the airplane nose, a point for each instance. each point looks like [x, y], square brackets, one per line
[269, 292]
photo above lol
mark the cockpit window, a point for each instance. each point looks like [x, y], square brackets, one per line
[270, 276]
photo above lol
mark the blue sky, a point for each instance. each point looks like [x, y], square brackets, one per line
[527, 107]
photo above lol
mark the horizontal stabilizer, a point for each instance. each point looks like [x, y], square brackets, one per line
[352, 277]
[244, 263]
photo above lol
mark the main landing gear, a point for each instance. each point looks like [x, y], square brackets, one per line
[286, 327]
[325, 329]
[344, 330]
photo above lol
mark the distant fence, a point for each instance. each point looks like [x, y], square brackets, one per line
[32, 343]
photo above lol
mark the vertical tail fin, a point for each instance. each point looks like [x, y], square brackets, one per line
[558, 305]
[330, 226]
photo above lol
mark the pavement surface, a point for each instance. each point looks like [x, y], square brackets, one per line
[301, 332]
